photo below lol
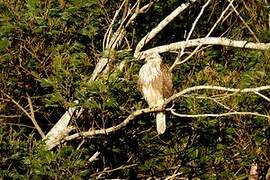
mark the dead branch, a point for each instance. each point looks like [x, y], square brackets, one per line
[205, 41]
[94, 157]
[218, 115]
[100, 175]
[177, 61]
[91, 133]
[240, 17]
[181, 53]
[160, 26]
[59, 130]
[110, 42]
[175, 175]
[218, 88]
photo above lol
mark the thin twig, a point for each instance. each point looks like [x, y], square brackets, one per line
[249, 29]
[218, 88]
[263, 96]
[214, 100]
[141, 10]
[112, 170]
[107, 35]
[27, 114]
[16, 124]
[192, 29]
[94, 157]
[209, 33]
[174, 176]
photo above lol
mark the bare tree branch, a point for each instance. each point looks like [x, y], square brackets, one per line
[218, 115]
[240, 17]
[263, 96]
[91, 133]
[218, 88]
[136, 113]
[175, 175]
[160, 26]
[205, 41]
[181, 53]
[208, 34]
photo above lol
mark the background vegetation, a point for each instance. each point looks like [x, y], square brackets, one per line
[48, 50]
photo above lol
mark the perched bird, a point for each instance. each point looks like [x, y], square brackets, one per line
[155, 83]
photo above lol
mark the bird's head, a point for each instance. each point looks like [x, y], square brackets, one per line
[153, 58]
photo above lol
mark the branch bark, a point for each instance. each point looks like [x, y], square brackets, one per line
[91, 133]
[205, 41]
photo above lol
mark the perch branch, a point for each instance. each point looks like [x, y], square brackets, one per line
[205, 41]
[136, 113]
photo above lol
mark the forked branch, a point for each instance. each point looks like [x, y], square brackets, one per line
[160, 26]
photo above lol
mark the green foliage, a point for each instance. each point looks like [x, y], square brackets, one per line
[22, 157]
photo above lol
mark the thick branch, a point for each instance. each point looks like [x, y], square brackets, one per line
[205, 41]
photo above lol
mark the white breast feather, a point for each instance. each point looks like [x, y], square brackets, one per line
[148, 73]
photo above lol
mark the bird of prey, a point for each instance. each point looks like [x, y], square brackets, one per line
[155, 83]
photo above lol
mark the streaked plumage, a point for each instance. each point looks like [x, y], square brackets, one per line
[155, 83]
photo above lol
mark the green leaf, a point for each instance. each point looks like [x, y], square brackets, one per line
[46, 83]
[32, 4]
[4, 43]
[259, 138]
[5, 29]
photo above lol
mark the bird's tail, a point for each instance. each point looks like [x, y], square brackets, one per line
[161, 122]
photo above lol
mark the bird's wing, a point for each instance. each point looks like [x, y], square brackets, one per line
[167, 85]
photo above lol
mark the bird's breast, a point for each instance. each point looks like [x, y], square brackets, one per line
[149, 72]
